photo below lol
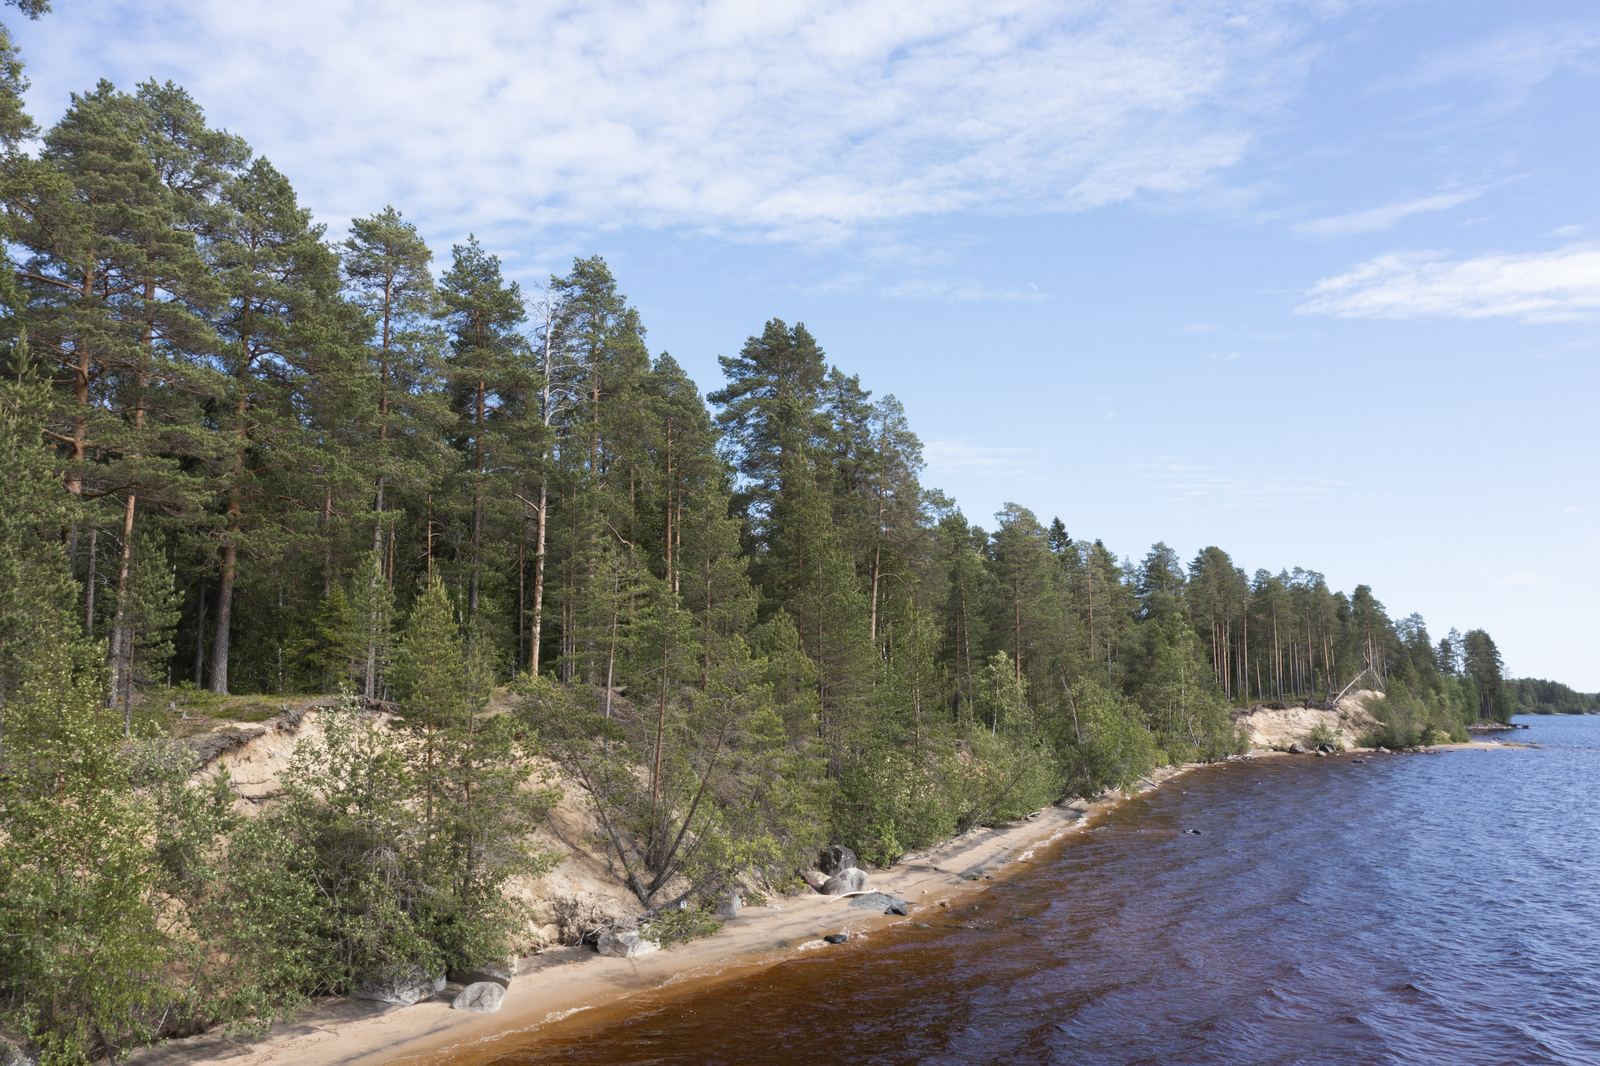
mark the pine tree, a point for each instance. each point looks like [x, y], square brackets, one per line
[385, 263]
[280, 284]
[490, 373]
[149, 617]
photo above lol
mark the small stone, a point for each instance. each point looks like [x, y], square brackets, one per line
[480, 997]
[837, 938]
[626, 945]
[919, 925]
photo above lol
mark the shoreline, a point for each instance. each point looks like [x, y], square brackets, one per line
[562, 982]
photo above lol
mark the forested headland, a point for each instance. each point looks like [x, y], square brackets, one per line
[247, 455]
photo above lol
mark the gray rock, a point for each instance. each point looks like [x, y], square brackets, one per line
[837, 938]
[11, 1055]
[500, 973]
[878, 901]
[626, 945]
[1297, 748]
[851, 880]
[480, 997]
[730, 905]
[836, 858]
[1321, 754]
[401, 988]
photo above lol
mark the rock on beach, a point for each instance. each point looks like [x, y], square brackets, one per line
[626, 945]
[401, 989]
[480, 997]
[851, 880]
[836, 858]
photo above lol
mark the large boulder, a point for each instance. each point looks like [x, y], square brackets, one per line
[882, 901]
[500, 973]
[480, 997]
[626, 945]
[851, 880]
[1297, 748]
[836, 858]
[730, 905]
[400, 987]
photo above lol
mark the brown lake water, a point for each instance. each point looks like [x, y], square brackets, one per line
[1408, 909]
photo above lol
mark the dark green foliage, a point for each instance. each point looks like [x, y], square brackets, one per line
[1534, 696]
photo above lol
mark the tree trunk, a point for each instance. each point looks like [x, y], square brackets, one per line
[200, 637]
[538, 581]
[122, 658]
[88, 597]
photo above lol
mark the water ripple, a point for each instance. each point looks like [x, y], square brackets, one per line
[1420, 909]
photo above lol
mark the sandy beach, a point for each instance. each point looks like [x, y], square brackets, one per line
[565, 981]
[561, 982]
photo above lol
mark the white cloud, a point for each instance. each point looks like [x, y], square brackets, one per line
[958, 290]
[1536, 286]
[1517, 60]
[1189, 487]
[789, 119]
[957, 455]
[1378, 218]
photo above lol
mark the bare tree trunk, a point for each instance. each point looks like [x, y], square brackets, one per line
[200, 637]
[88, 609]
[122, 658]
[219, 643]
[544, 498]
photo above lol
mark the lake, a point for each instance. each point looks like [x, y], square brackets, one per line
[1405, 909]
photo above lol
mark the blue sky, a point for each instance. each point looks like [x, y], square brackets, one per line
[1317, 282]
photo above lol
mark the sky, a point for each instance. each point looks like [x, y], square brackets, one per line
[1317, 282]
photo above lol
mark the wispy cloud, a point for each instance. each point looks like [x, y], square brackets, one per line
[788, 119]
[958, 455]
[1193, 486]
[1516, 60]
[1561, 285]
[1379, 218]
[958, 290]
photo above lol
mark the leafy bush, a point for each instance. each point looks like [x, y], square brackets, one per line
[1321, 734]
[679, 925]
